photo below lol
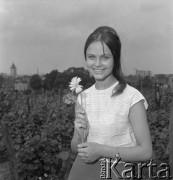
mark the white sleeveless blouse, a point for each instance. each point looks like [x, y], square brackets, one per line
[108, 116]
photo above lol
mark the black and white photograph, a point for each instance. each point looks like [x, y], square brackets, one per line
[86, 89]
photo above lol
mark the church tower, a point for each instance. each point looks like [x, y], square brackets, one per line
[13, 70]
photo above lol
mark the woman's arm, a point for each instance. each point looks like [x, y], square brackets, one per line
[143, 151]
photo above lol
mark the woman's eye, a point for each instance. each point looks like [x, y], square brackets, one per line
[91, 57]
[104, 57]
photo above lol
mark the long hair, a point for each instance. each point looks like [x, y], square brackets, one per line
[109, 36]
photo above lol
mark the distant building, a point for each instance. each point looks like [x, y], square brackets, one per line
[13, 69]
[14, 81]
[22, 83]
[142, 73]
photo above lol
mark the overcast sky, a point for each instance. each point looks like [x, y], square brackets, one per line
[50, 34]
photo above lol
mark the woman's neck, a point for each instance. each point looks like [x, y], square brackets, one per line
[104, 84]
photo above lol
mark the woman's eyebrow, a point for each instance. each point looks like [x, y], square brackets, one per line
[102, 55]
[90, 54]
[99, 54]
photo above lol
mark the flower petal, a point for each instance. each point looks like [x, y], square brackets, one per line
[72, 88]
[78, 89]
[72, 85]
[74, 80]
[78, 80]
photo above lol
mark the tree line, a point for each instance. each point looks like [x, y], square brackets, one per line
[60, 80]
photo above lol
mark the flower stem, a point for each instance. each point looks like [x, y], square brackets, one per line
[82, 128]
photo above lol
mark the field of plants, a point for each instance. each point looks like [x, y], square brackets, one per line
[36, 130]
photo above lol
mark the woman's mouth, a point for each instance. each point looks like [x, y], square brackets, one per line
[98, 70]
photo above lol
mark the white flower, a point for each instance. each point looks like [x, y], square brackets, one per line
[74, 85]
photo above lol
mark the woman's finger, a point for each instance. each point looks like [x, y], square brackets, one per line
[85, 159]
[80, 110]
[80, 124]
[83, 155]
[78, 120]
[81, 116]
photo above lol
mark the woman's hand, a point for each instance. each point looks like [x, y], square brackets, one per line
[89, 151]
[81, 123]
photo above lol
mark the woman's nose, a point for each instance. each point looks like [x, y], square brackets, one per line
[97, 62]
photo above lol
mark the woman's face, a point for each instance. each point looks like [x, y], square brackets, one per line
[99, 61]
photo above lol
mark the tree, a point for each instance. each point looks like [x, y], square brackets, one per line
[58, 80]
[161, 78]
[2, 80]
[61, 81]
[144, 83]
[36, 82]
[50, 79]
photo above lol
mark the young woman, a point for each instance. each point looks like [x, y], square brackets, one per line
[114, 111]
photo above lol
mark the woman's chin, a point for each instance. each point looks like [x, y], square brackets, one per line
[99, 78]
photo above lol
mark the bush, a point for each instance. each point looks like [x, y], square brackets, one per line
[41, 130]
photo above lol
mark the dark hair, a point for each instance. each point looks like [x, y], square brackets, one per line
[109, 36]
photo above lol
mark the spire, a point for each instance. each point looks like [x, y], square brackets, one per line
[13, 69]
[13, 66]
